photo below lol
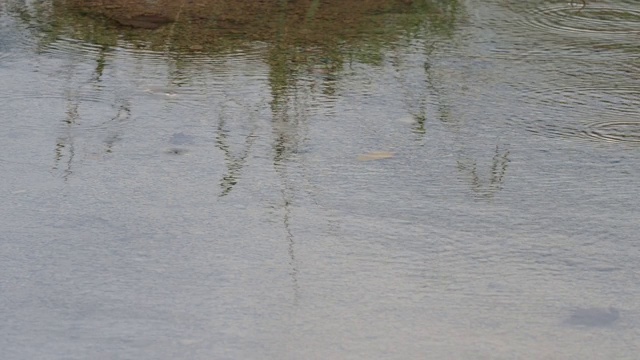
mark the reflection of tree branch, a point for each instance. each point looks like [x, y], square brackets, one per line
[499, 167]
[72, 123]
[497, 172]
[66, 142]
[286, 221]
[101, 62]
[443, 108]
[234, 164]
[285, 144]
[417, 102]
[123, 115]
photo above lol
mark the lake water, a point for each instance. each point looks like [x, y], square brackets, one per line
[431, 179]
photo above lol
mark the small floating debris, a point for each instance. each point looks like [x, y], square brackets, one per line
[375, 155]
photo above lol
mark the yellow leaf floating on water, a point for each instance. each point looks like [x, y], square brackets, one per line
[375, 155]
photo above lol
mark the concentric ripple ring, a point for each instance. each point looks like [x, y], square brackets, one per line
[590, 20]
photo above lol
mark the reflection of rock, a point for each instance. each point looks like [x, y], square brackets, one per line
[593, 317]
[146, 21]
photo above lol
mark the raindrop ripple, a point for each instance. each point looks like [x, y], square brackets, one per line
[593, 19]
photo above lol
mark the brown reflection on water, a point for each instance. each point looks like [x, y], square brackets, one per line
[211, 24]
[302, 37]
[308, 39]
[299, 34]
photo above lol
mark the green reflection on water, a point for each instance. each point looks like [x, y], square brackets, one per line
[295, 38]
[297, 32]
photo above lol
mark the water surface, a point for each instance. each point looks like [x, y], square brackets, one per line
[170, 193]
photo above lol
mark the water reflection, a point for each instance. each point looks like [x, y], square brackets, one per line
[82, 124]
[209, 203]
[590, 84]
[235, 162]
[65, 145]
[604, 20]
[74, 125]
[486, 188]
[291, 98]
[309, 43]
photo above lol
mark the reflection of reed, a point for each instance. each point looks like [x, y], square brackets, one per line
[289, 114]
[280, 163]
[65, 144]
[234, 163]
[432, 84]
[111, 127]
[122, 115]
[497, 172]
[283, 147]
[286, 222]
[71, 118]
[416, 100]
[101, 62]
[212, 26]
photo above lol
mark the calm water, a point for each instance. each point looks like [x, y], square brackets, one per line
[167, 204]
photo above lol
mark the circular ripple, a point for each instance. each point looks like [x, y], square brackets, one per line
[591, 20]
[614, 131]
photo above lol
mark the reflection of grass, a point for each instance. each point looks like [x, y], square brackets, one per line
[329, 27]
[304, 31]
[219, 25]
[497, 172]
[301, 35]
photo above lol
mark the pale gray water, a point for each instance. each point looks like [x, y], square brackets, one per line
[167, 207]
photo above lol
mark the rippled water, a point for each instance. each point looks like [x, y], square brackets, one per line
[161, 203]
